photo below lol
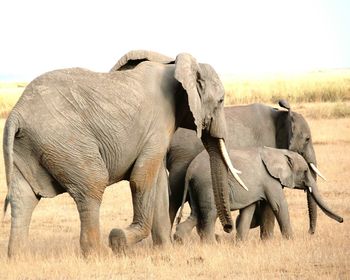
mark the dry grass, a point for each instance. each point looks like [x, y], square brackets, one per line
[323, 86]
[9, 94]
[323, 110]
[54, 235]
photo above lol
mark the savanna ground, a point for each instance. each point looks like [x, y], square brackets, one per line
[54, 234]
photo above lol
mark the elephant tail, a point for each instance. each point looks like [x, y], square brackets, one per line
[10, 131]
[187, 182]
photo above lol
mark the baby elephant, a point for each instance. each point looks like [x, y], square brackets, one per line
[265, 172]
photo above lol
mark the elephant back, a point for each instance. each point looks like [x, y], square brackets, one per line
[131, 59]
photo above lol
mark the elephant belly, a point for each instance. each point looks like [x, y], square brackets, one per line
[240, 198]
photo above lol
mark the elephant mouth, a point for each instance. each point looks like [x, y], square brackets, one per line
[206, 124]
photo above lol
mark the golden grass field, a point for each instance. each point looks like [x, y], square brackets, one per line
[54, 233]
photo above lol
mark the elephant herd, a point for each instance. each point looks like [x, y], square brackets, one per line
[78, 131]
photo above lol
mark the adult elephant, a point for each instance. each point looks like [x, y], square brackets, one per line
[254, 125]
[266, 171]
[78, 131]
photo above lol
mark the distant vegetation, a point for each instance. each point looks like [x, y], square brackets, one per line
[329, 90]
[322, 86]
[9, 94]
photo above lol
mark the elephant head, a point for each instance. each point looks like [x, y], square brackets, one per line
[200, 107]
[292, 171]
[294, 134]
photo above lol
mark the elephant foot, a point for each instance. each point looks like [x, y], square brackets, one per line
[117, 241]
[162, 244]
[17, 248]
[15, 253]
[266, 231]
[208, 239]
[218, 238]
[161, 238]
[178, 238]
[288, 235]
[95, 252]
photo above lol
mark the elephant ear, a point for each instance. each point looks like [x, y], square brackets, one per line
[284, 126]
[187, 72]
[135, 57]
[284, 104]
[279, 165]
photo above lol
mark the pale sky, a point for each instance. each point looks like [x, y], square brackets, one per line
[233, 36]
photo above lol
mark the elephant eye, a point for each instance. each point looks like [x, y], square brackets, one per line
[221, 100]
[307, 139]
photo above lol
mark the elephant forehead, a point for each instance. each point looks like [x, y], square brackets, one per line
[208, 73]
[300, 122]
[300, 161]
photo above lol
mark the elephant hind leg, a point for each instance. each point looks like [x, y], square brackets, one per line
[86, 186]
[161, 228]
[184, 229]
[206, 225]
[23, 201]
[243, 222]
[89, 213]
[177, 175]
[267, 221]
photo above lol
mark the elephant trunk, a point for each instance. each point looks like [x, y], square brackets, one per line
[220, 181]
[312, 210]
[311, 204]
[313, 191]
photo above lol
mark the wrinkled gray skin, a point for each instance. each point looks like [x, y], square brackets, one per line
[265, 172]
[78, 131]
[255, 125]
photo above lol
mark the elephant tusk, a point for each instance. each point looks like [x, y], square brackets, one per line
[314, 168]
[228, 162]
[310, 189]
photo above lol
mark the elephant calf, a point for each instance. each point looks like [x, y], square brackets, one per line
[265, 171]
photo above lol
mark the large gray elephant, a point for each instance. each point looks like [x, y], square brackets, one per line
[78, 131]
[255, 125]
[265, 171]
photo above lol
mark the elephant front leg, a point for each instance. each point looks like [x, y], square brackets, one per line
[283, 219]
[184, 229]
[143, 182]
[279, 206]
[161, 228]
